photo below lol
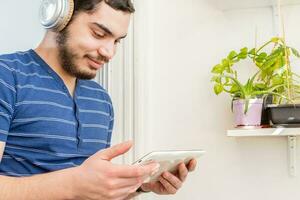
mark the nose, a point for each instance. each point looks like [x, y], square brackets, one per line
[107, 50]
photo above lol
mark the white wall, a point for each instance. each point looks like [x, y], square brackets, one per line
[182, 41]
[19, 25]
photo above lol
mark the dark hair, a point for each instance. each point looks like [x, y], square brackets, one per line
[90, 5]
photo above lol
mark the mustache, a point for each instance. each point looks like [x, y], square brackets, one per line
[99, 58]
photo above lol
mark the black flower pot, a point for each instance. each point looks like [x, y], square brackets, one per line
[286, 115]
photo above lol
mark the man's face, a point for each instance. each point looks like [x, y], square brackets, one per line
[91, 39]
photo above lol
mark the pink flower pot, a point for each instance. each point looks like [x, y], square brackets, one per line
[252, 117]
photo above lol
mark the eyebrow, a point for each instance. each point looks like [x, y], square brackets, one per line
[106, 30]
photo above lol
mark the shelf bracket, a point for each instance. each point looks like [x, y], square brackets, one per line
[292, 141]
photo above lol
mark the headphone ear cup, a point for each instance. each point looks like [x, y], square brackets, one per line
[68, 15]
[56, 14]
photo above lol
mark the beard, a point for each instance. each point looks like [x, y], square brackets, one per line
[68, 56]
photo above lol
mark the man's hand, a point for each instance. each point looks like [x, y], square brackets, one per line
[169, 183]
[97, 178]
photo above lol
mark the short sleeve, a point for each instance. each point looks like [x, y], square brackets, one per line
[7, 99]
[111, 123]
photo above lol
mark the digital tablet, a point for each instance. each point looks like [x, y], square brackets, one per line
[168, 160]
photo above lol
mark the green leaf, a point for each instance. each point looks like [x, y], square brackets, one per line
[242, 56]
[227, 80]
[263, 55]
[275, 53]
[259, 59]
[274, 67]
[243, 53]
[277, 80]
[275, 39]
[216, 79]
[228, 70]
[231, 55]
[244, 50]
[246, 106]
[268, 63]
[263, 75]
[225, 63]
[260, 86]
[252, 51]
[218, 88]
[295, 52]
[251, 81]
[241, 90]
[218, 69]
[234, 88]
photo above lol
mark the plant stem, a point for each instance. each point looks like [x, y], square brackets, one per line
[287, 60]
[263, 46]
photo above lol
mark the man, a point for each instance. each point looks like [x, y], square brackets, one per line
[56, 124]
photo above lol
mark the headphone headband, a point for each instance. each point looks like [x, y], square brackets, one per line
[56, 14]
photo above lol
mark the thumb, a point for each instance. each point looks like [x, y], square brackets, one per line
[147, 187]
[114, 151]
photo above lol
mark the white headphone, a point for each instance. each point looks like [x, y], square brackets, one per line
[56, 14]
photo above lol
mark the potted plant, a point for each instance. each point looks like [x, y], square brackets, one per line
[274, 77]
[275, 68]
[247, 99]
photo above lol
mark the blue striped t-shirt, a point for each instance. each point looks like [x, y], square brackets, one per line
[44, 127]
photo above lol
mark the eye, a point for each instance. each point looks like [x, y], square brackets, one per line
[117, 41]
[97, 35]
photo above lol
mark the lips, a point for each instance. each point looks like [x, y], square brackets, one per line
[94, 63]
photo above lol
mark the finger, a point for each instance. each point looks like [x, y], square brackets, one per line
[169, 188]
[192, 165]
[182, 172]
[172, 179]
[114, 151]
[131, 171]
[148, 186]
